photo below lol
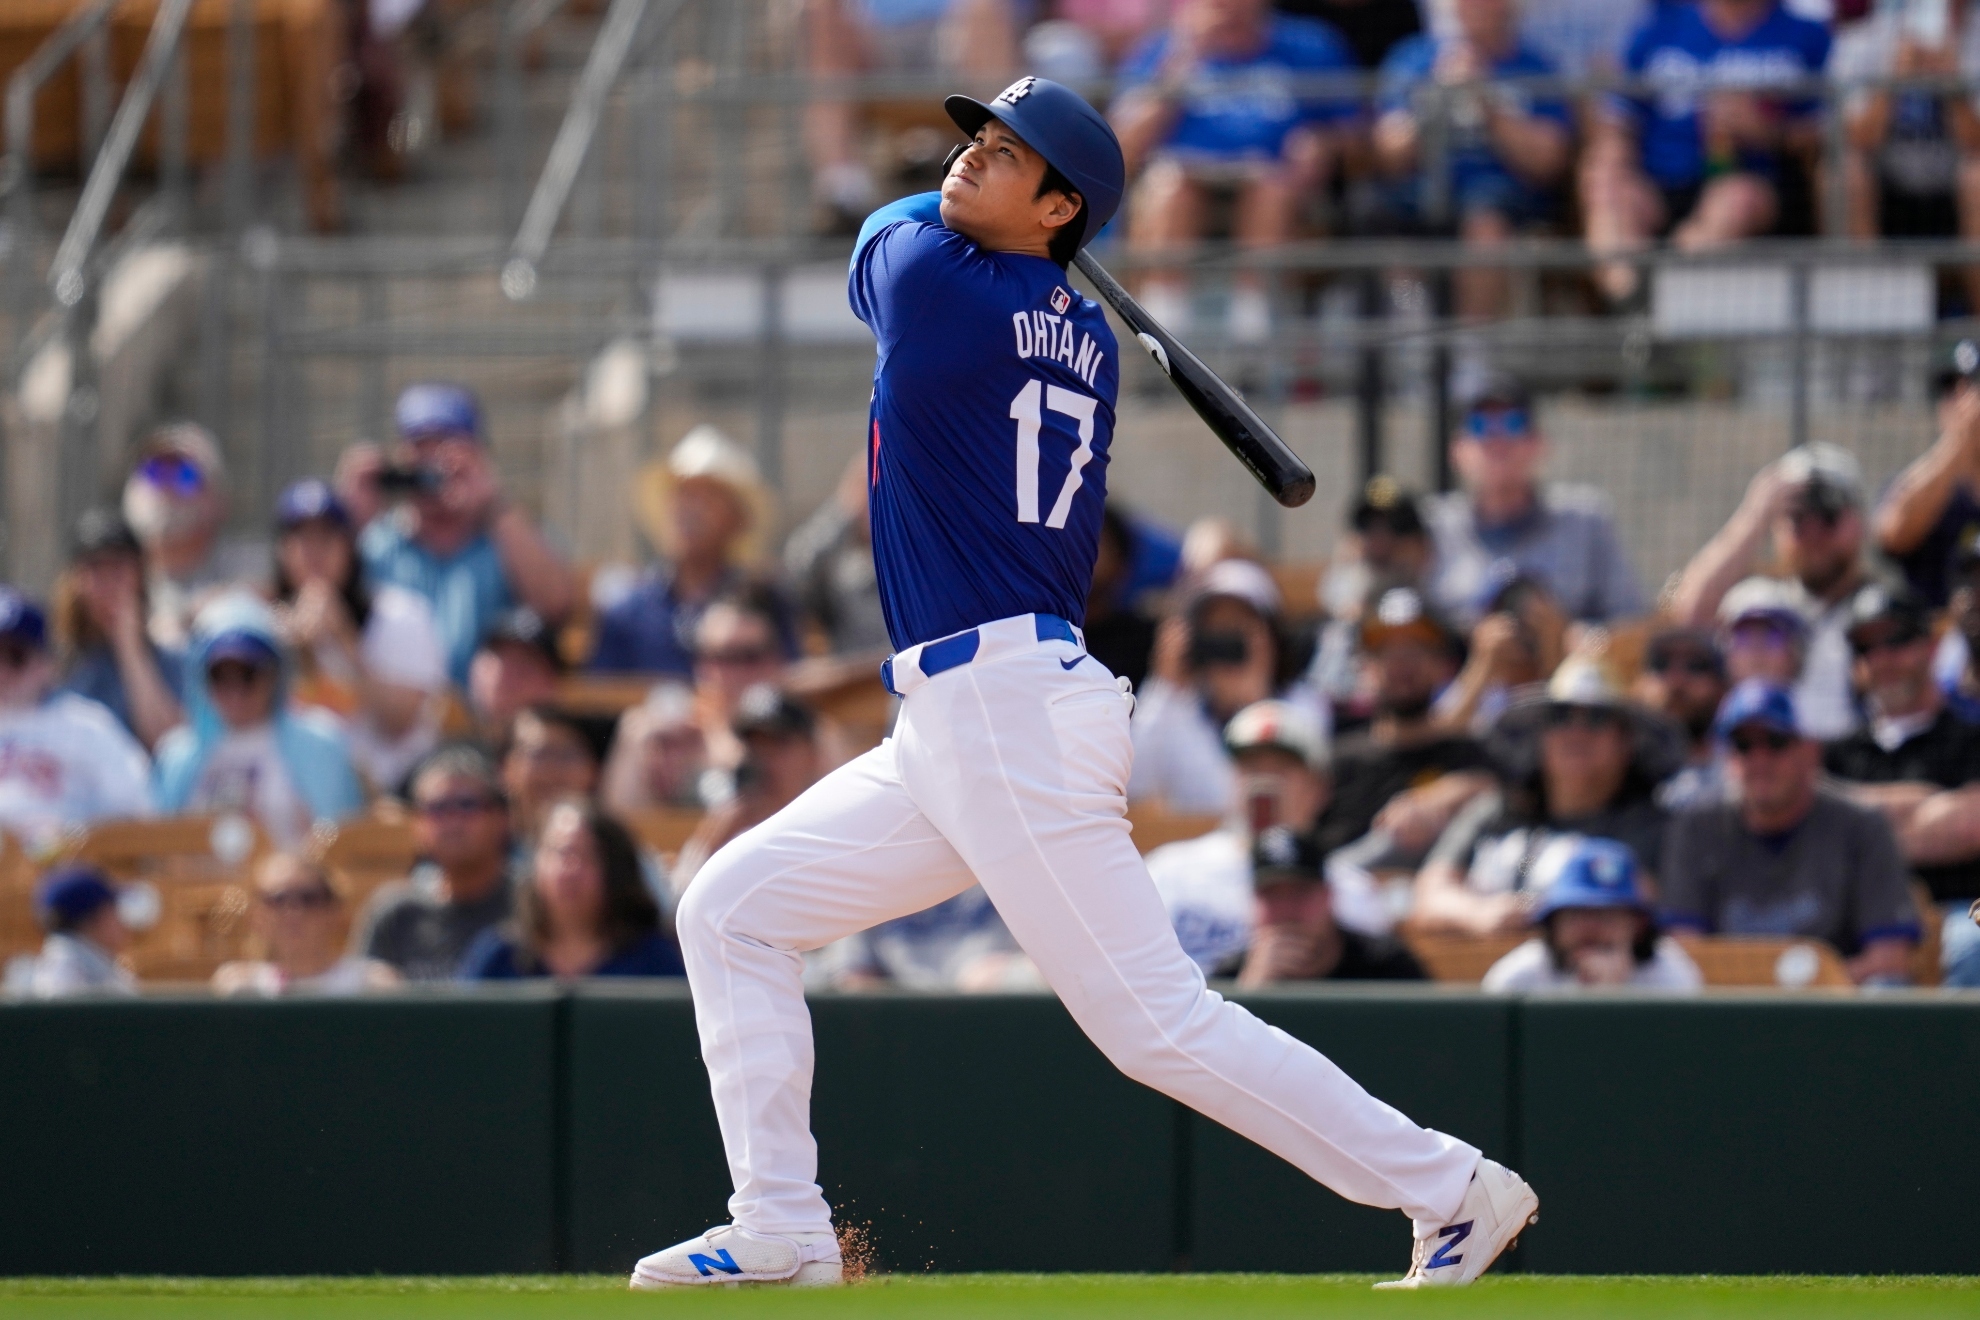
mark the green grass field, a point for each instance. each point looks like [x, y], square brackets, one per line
[987, 1296]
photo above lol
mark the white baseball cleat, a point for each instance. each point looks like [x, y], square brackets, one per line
[732, 1255]
[1497, 1207]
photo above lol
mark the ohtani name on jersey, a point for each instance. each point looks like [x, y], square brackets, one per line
[1041, 334]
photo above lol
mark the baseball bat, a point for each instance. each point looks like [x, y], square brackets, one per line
[1257, 446]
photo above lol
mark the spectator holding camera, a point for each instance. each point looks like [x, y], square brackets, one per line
[1785, 856]
[1578, 759]
[1561, 536]
[65, 761]
[370, 656]
[1596, 927]
[1225, 651]
[583, 911]
[1506, 147]
[242, 747]
[466, 878]
[1207, 109]
[297, 919]
[77, 906]
[1295, 934]
[1520, 638]
[456, 541]
[1809, 505]
[1916, 762]
[99, 620]
[1705, 153]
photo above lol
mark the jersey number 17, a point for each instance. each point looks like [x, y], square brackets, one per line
[1027, 413]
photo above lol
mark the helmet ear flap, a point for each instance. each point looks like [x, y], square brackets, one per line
[955, 154]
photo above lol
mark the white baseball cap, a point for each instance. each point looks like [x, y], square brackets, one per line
[1241, 579]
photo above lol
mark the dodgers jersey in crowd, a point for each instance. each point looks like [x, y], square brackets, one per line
[993, 407]
[67, 761]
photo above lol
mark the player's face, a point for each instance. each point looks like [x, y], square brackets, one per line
[991, 195]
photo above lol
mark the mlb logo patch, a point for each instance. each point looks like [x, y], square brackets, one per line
[1060, 301]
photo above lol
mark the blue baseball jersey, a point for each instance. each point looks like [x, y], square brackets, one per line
[1242, 109]
[1476, 172]
[993, 407]
[1681, 58]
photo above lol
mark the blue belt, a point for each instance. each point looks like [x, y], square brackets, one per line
[957, 649]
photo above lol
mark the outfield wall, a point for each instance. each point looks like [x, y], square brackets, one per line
[530, 1129]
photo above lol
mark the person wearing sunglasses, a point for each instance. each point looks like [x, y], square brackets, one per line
[1785, 856]
[466, 878]
[1916, 762]
[242, 748]
[1562, 536]
[1807, 506]
[1576, 759]
[1684, 680]
[297, 920]
[175, 501]
[65, 761]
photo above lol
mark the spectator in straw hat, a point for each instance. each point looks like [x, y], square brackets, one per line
[457, 540]
[706, 510]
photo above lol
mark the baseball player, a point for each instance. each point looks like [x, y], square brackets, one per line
[993, 407]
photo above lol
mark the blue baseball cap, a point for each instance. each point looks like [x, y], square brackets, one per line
[1593, 873]
[1057, 123]
[71, 895]
[21, 620]
[242, 644]
[1756, 701]
[436, 408]
[308, 500]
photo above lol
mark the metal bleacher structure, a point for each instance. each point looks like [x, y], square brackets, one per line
[612, 243]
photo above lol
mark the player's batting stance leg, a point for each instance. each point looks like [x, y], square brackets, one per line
[992, 415]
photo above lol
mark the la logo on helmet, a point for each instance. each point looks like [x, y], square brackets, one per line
[1016, 92]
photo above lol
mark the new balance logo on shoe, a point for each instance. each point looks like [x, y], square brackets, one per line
[726, 1263]
[1456, 1233]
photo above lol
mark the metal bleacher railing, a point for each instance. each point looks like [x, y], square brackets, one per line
[667, 210]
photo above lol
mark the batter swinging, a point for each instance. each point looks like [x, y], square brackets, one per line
[993, 407]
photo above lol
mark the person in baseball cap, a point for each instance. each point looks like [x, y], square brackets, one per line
[77, 906]
[1082, 158]
[1597, 926]
[436, 409]
[1295, 936]
[516, 666]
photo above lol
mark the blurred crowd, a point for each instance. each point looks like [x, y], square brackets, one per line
[1478, 726]
[1626, 122]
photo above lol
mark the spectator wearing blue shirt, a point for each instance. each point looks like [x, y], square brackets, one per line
[100, 613]
[1702, 150]
[584, 911]
[1507, 145]
[1210, 107]
[707, 511]
[457, 541]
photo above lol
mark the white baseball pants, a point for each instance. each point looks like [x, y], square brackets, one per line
[1010, 770]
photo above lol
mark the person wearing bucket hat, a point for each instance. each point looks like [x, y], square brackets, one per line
[1204, 113]
[708, 512]
[456, 540]
[1597, 926]
[1576, 758]
[65, 761]
[78, 906]
[988, 433]
[99, 623]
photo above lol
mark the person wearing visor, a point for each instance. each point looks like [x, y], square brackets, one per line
[370, 656]
[1562, 536]
[1596, 928]
[1221, 654]
[65, 761]
[988, 435]
[175, 501]
[457, 541]
[242, 748]
[1808, 506]
[100, 631]
[1916, 762]
[1576, 759]
[77, 906]
[1785, 856]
